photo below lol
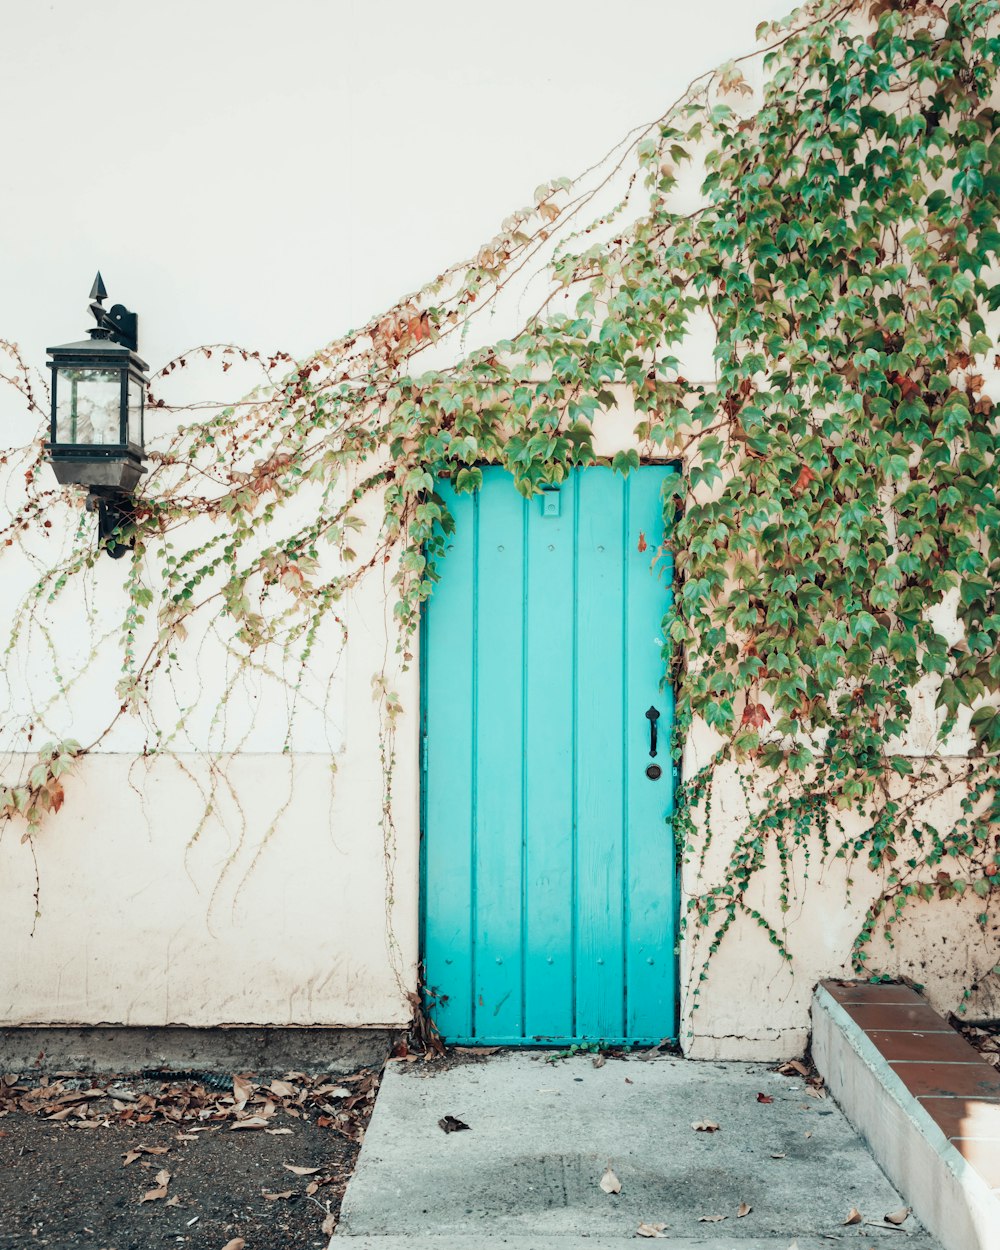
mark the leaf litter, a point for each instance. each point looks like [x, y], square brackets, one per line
[195, 1104]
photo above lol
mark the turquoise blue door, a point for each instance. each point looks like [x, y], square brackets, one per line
[549, 911]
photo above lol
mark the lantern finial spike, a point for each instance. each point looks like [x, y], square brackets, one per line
[98, 291]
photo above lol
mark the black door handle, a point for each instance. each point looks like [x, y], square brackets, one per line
[652, 716]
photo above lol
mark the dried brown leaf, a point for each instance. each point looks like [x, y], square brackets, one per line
[854, 1216]
[765, 1098]
[651, 1230]
[710, 1219]
[897, 1217]
[243, 1087]
[237, 1243]
[285, 1193]
[743, 1209]
[793, 1067]
[705, 1126]
[290, 1167]
[328, 1225]
[610, 1183]
[252, 1121]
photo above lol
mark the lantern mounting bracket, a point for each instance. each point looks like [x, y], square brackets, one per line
[115, 512]
[115, 323]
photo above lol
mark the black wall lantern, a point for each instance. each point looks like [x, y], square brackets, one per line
[96, 437]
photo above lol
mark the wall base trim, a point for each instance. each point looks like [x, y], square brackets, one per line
[132, 1049]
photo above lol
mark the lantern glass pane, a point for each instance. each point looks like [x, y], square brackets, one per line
[135, 412]
[88, 404]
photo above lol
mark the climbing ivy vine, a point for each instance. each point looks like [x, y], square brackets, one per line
[839, 484]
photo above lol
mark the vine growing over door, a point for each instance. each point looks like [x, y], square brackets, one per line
[839, 490]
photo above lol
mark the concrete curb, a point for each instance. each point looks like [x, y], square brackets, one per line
[947, 1194]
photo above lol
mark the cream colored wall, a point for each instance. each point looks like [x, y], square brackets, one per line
[289, 907]
[755, 1005]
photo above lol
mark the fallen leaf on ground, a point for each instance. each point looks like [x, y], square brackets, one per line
[897, 1217]
[136, 1151]
[815, 1091]
[777, 1156]
[277, 1132]
[599, 1061]
[705, 1126]
[793, 1066]
[451, 1124]
[153, 1195]
[764, 1098]
[743, 1209]
[237, 1243]
[290, 1167]
[854, 1216]
[629, 1081]
[710, 1219]
[252, 1121]
[173, 1202]
[328, 1225]
[243, 1087]
[809, 1134]
[651, 1230]
[282, 1089]
[285, 1193]
[610, 1183]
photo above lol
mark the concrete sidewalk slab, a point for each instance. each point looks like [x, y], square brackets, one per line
[542, 1133]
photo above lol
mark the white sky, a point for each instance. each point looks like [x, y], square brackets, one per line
[272, 173]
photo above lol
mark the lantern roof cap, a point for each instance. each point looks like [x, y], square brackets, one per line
[99, 347]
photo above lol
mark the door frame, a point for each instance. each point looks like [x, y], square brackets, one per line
[426, 1001]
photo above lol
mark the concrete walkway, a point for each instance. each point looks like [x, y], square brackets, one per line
[526, 1175]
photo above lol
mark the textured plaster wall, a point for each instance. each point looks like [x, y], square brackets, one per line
[277, 909]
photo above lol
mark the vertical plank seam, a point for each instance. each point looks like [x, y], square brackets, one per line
[424, 774]
[574, 770]
[474, 766]
[626, 730]
[525, 757]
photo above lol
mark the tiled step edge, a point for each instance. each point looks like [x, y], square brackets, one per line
[947, 1194]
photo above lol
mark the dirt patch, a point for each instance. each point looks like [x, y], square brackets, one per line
[138, 1163]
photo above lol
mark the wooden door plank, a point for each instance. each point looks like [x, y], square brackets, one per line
[599, 755]
[450, 799]
[550, 666]
[650, 886]
[499, 756]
